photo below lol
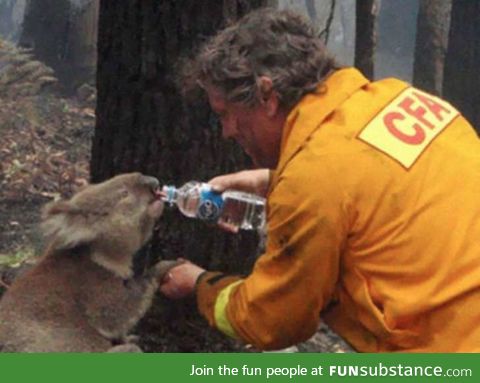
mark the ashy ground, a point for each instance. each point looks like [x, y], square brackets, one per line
[44, 154]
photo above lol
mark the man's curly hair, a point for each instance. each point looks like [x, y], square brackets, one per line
[281, 45]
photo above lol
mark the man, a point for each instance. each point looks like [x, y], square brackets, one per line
[373, 212]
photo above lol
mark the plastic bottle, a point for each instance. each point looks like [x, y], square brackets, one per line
[235, 209]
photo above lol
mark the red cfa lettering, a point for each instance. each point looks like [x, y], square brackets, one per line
[432, 105]
[425, 110]
[417, 136]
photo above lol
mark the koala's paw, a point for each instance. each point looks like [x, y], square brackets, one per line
[163, 267]
[132, 338]
[128, 347]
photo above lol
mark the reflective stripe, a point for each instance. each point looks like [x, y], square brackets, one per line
[220, 311]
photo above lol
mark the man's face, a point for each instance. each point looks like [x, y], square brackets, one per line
[257, 130]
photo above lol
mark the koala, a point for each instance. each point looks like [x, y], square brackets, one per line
[83, 294]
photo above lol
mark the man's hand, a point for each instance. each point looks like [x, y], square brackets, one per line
[250, 181]
[180, 280]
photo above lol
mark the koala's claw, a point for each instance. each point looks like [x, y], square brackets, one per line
[128, 347]
[163, 267]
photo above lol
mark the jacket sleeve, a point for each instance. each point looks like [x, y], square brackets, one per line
[280, 302]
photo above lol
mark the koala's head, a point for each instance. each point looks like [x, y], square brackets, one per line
[114, 218]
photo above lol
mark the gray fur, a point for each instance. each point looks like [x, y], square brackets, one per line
[82, 294]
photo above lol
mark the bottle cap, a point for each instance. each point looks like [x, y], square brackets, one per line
[170, 192]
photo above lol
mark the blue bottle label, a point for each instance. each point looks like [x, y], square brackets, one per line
[211, 204]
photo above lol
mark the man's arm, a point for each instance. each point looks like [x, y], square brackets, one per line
[181, 280]
[279, 303]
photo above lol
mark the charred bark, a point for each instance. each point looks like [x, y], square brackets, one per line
[461, 84]
[431, 44]
[365, 36]
[82, 43]
[63, 36]
[46, 27]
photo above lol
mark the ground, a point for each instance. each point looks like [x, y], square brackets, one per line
[44, 154]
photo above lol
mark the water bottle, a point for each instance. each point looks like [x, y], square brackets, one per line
[235, 209]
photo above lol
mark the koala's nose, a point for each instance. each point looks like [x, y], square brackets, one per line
[151, 182]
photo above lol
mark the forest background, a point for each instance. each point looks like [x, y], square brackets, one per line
[87, 91]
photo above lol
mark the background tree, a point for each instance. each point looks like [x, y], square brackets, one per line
[6, 18]
[46, 26]
[142, 125]
[461, 83]
[81, 58]
[311, 10]
[325, 33]
[62, 34]
[365, 36]
[431, 44]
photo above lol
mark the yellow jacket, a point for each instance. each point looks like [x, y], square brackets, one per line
[373, 221]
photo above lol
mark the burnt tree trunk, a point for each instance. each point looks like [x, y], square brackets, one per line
[365, 36]
[431, 44]
[82, 57]
[46, 27]
[142, 125]
[62, 34]
[461, 85]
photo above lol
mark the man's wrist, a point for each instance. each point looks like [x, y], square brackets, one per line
[199, 278]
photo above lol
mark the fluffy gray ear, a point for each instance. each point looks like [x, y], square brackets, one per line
[65, 225]
[58, 207]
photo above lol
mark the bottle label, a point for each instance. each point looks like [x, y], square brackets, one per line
[210, 205]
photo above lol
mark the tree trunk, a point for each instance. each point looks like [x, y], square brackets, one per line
[62, 34]
[6, 18]
[325, 33]
[11, 19]
[46, 27]
[82, 42]
[431, 44]
[461, 85]
[142, 126]
[311, 10]
[365, 36]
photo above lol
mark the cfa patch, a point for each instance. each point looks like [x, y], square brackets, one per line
[408, 124]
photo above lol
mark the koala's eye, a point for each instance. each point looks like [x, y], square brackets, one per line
[124, 193]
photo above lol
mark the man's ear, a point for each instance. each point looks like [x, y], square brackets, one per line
[267, 95]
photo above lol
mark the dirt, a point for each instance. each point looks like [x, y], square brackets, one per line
[44, 154]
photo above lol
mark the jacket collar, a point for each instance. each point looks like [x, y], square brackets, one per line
[313, 108]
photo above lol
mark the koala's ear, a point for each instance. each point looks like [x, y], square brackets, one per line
[59, 207]
[65, 225]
